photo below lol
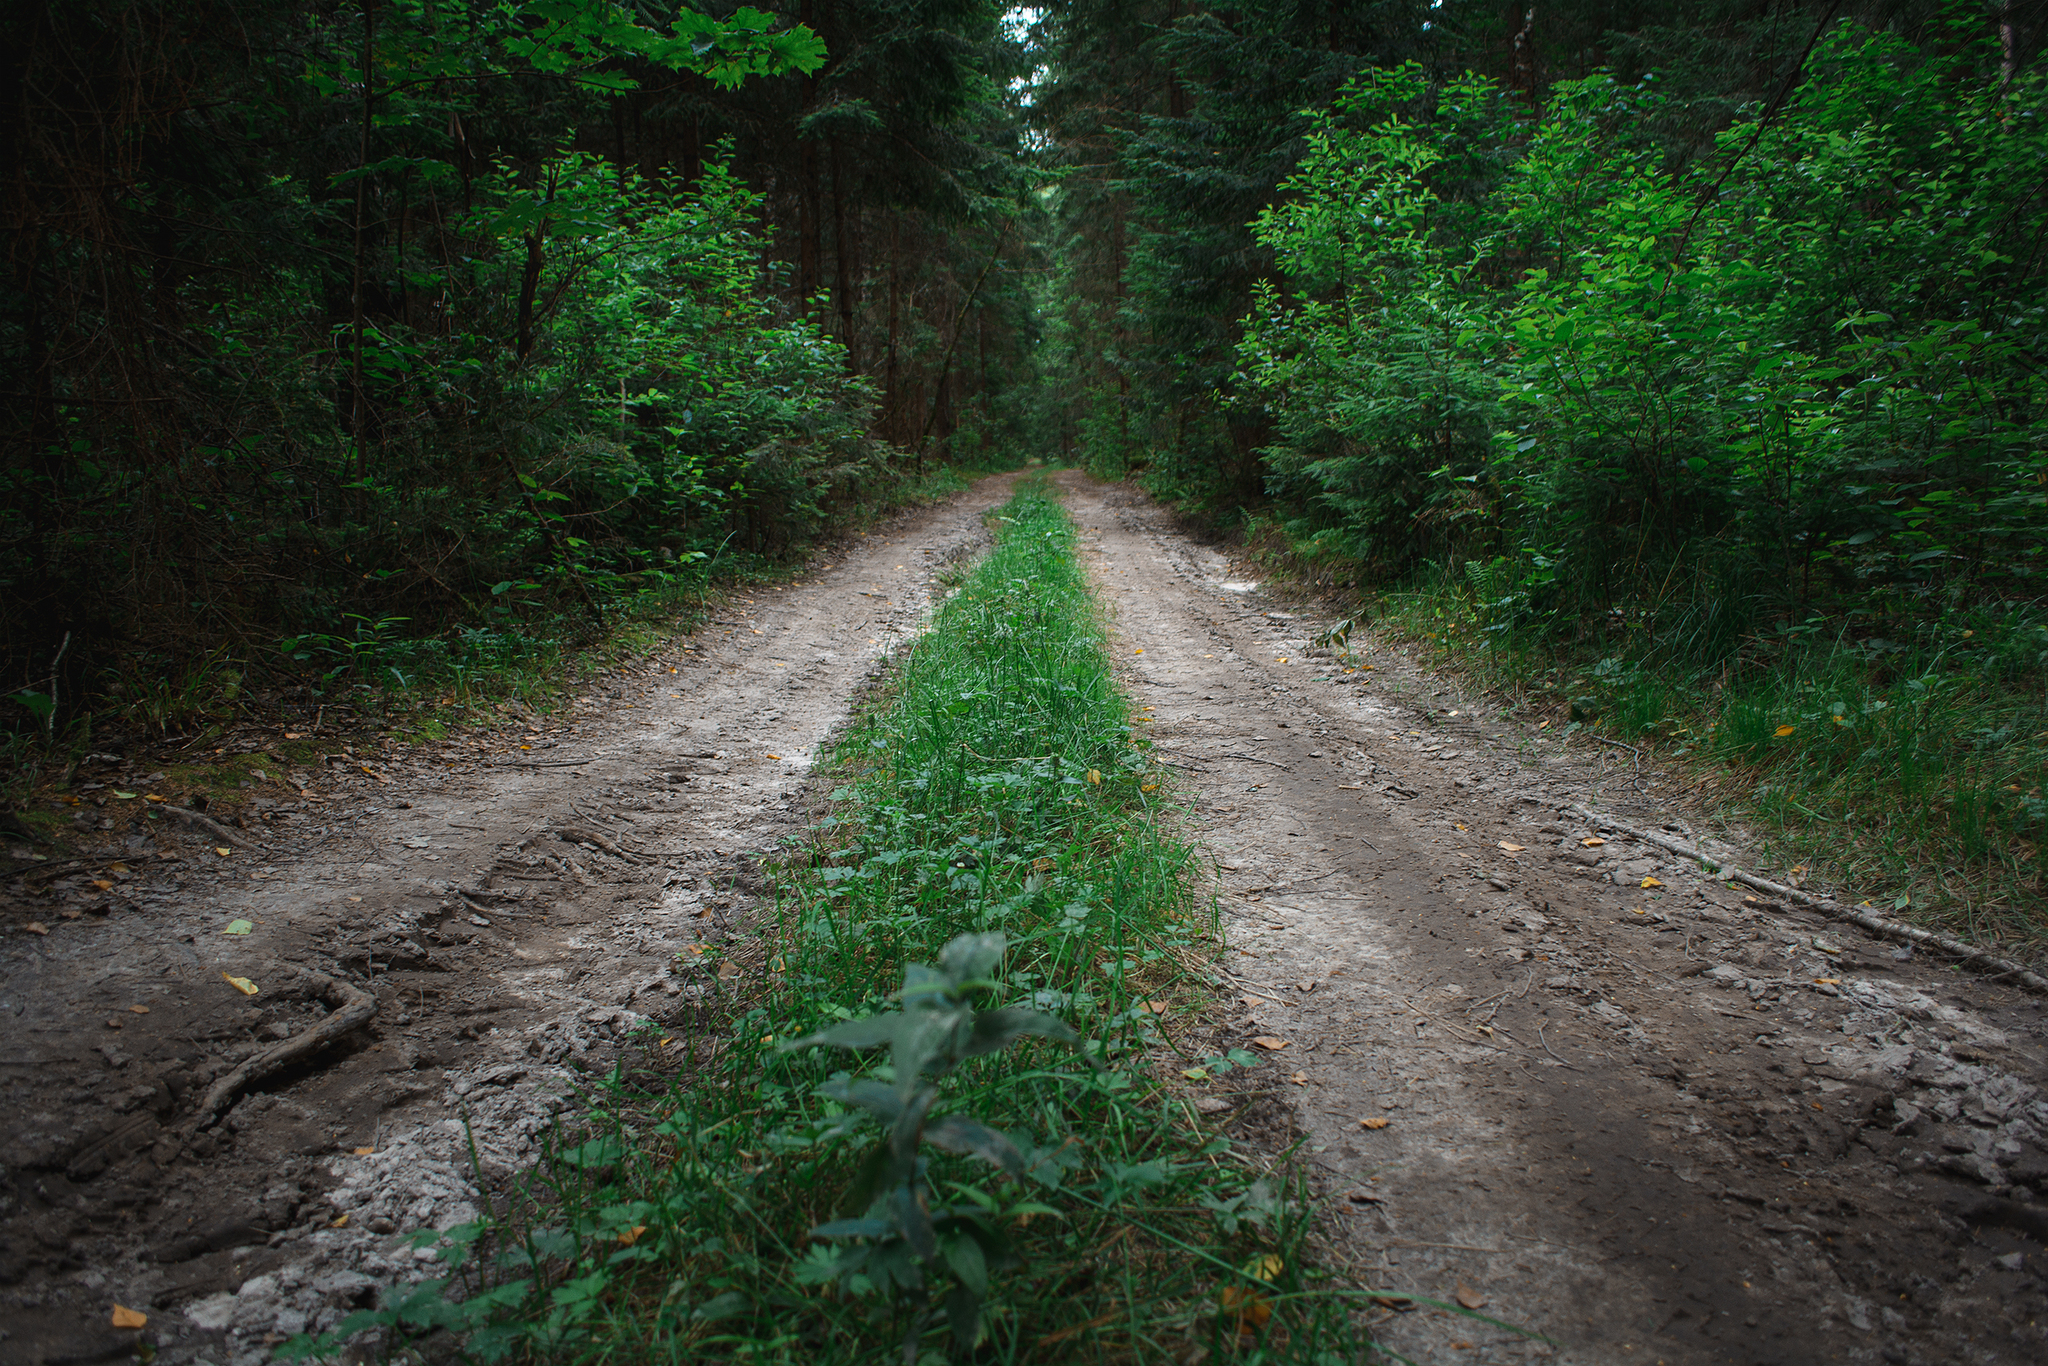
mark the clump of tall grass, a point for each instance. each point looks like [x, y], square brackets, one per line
[1899, 751]
[1043, 1191]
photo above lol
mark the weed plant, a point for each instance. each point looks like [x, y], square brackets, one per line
[720, 1203]
[1899, 753]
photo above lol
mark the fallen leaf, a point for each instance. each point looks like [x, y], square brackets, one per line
[129, 1318]
[365, 1152]
[1044, 864]
[1469, 1297]
[1299, 1079]
[775, 756]
[1267, 1041]
[37, 927]
[138, 1010]
[1095, 775]
[114, 1024]
[1827, 981]
[1651, 882]
[1374, 1122]
[1592, 841]
[153, 797]
[630, 1236]
[1359, 1195]
[1156, 1007]
[1460, 1345]
[104, 884]
[1784, 730]
[124, 796]
[1461, 827]
[1195, 1073]
[728, 970]
[238, 927]
[342, 1222]
[1265, 1267]
[241, 984]
[1512, 847]
[222, 850]
[293, 735]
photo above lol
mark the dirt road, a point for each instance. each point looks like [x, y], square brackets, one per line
[1656, 1123]
[518, 913]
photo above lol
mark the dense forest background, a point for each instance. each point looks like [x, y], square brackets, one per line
[1682, 359]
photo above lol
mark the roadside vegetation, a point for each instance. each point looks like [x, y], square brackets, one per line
[1681, 375]
[940, 1103]
[411, 349]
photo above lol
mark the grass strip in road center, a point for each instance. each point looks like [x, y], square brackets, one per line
[1012, 1180]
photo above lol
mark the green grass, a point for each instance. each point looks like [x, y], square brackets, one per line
[1899, 754]
[996, 787]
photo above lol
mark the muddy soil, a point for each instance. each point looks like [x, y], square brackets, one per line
[1580, 1085]
[517, 912]
[1661, 1123]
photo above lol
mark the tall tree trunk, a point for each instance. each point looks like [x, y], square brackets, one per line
[842, 251]
[1525, 54]
[807, 275]
[358, 403]
[892, 400]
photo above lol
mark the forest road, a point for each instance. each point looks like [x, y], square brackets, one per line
[1605, 1096]
[521, 906]
[1654, 1124]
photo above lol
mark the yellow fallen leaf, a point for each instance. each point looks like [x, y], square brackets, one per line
[1827, 981]
[104, 884]
[1268, 1042]
[342, 1222]
[241, 984]
[1784, 730]
[129, 1318]
[1461, 827]
[1651, 882]
[1265, 1266]
[1095, 775]
[1374, 1122]
[1592, 841]
[222, 850]
[1148, 787]
[630, 1236]
[775, 756]
[152, 797]
[1512, 847]
[365, 1152]
[1469, 1297]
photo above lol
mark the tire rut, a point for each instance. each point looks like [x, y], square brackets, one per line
[519, 912]
[1610, 1098]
